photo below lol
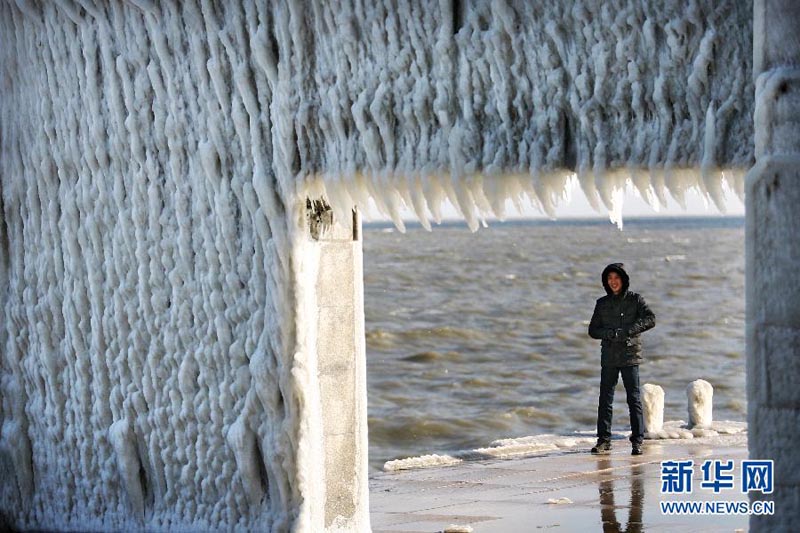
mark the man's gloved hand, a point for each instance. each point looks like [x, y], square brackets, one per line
[618, 335]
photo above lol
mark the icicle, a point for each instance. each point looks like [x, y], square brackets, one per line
[496, 190]
[615, 213]
[587, 183]
[419, 203]
[712, 177]
[544, 195]
[645, 187]
[735, 179]
[434, 194]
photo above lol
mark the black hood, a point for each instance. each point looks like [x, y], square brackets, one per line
[619, 268]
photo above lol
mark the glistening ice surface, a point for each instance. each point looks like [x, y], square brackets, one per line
[476, 337]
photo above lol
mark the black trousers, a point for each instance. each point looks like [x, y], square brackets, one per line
[609, 376]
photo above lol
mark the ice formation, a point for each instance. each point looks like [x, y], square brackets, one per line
[479, 102]
[457, 528]
[157, 370]
[499, 449]
[700, 394]
[719, 433]
[652, 408]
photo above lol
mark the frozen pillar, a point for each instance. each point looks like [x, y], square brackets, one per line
[653, 409]
[773, 259]
[342, 367]
[700, 395]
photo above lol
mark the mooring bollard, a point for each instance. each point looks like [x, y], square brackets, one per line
[653, 408]
[700, 394]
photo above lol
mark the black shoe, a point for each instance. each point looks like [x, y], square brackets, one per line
[602, 446]
[636, 448]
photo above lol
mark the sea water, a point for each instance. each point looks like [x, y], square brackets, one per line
[472, 337]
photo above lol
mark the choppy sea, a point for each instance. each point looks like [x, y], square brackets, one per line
[473, 337]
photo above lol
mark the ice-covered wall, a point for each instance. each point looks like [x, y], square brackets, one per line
[147, 332]
[157, 368]
[772, 257]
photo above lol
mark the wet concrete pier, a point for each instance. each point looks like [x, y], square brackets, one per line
[568, 490]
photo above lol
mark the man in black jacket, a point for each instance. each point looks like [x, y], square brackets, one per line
[618, 319]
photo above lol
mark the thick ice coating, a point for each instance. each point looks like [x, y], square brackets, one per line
[653, 408]
[155, 158]
[700, 394]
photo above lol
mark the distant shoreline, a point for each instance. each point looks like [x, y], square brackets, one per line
[686, 222]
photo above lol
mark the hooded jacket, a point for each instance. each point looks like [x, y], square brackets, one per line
[618, 320]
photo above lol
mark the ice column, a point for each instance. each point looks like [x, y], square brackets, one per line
[700, 395]
[773, 256]
[653, 408]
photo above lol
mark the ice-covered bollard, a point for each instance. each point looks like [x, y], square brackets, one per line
[653, 408]
[700, 394]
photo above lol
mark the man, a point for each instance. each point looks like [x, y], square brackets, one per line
[618, 319]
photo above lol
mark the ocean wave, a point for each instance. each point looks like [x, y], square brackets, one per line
[431, 357]
[532, 412]
[381, 337]
[378, 338]
[404, 428]
[584, 372]
[478, 383]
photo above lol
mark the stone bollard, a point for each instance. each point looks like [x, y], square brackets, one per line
[700, 394]
[653, 408]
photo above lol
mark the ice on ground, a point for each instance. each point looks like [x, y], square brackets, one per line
[503, 448]
[679, 429]
[455, 528]
[547, 443]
